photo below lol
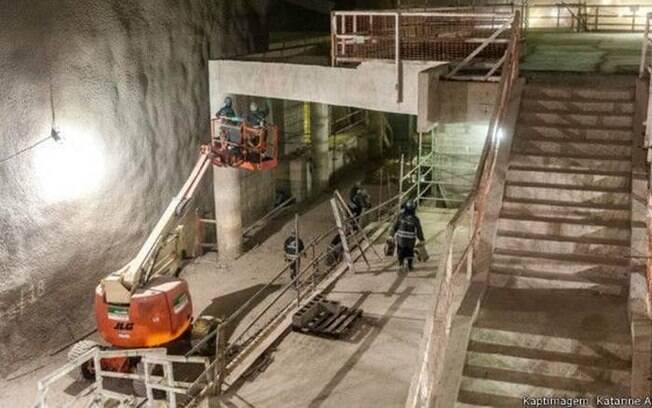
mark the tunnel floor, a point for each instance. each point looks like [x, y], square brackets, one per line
[373, 366]
[305, 370]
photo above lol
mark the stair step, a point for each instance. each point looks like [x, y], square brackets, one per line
[573, 133]
[476, 399]
[577, 94]
[579, 258]
[558, 281]
[564, 209]
[575, 271]
[565, 106]
[569, 193]
[559, 369]
[539, 382]
[590, 351]
[568, 177]
[463, 405]
[564, 227]
[551, 244]
[574, 149]
[577, 120]
[620, 243]
[515, 390]
[572, 170]
[552, 160]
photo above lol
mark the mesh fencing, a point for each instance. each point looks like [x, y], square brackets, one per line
[422, 36]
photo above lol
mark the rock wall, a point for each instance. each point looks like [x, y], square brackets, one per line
[126, 83]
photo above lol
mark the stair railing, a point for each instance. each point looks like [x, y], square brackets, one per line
[466, 225]
[645, 74]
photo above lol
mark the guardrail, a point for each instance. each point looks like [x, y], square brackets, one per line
[455, 260]
[645, 75]
[235, 337]
[574, 16]
[645, 69]
[100, 395]
[478, 39]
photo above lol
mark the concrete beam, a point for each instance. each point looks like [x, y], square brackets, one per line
[370, 86]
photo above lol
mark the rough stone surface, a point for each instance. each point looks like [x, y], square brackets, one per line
[128, 82]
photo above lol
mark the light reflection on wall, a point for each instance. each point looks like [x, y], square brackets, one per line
[71, 169]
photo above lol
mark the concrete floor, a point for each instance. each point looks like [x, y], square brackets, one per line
[374, 365]
[606, 53]
[216, 289]
[306, 370]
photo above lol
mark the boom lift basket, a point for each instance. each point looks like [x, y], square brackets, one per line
[237, 144]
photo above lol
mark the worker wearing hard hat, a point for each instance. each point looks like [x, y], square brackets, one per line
[407, 229]
[293, 248]
[257, 115]
[227, 111]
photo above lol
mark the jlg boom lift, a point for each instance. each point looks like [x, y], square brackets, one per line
[146, 304]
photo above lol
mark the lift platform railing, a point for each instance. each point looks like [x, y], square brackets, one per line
[456, 259]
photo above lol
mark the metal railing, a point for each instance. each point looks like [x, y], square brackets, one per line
[241, 331]
[645, 69]
[100, 395]
[645, 76]
[455, 260]
[478, 39]
[573, 16]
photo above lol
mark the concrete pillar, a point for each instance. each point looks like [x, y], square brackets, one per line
[320, 129]
[377, 134]
[298, 179]
[228, 212]
[277, 116]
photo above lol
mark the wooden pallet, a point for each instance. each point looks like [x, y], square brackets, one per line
[325, 318]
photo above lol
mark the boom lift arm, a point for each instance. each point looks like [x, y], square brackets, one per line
[121, 284]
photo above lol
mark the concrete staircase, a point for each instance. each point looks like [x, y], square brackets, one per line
[546, 343]
[554, 322]
[565, 219]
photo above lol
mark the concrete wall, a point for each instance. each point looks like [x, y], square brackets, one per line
[370, 86]
[258, 191]
[129, 86]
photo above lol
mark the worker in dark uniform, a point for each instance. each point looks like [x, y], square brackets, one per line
[335, 250]
[227, 111]
[293, 247]
[358, 202]
[407, 229]
[256, 116]
[230, 129]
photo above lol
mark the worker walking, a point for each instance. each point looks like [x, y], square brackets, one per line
[407, 229]
[293, 248]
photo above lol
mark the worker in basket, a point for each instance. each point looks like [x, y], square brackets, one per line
[257, 116]
[230, 134]
[255, 139]
[293, 247]
[406, 230]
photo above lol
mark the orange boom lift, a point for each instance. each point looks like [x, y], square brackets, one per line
[145, 304]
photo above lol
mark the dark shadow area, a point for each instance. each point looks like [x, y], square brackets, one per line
[224, 306]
